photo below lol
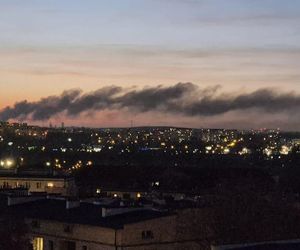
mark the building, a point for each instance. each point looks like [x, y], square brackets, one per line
[49, 184]
[59, 223]
[137, 194]
[62, 224]
[121, 193]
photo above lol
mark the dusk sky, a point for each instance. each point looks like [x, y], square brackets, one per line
[226, 54]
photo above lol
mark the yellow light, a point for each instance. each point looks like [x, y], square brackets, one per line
[38, 243]
[226, 151]
[138, 195]
[9, 163]
[285, 150]
[268, 151]
[50, 184]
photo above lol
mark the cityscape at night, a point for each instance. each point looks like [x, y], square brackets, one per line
[149, 125]
[62, 147]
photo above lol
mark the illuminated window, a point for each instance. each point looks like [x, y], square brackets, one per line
[38, 243]
[50, 184]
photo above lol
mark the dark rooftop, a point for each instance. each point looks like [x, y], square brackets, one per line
[86, 213]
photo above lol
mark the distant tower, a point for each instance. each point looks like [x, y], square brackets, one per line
[131, 123]
[50, 125]
[62, 125]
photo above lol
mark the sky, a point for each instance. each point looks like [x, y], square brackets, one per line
[226, 50]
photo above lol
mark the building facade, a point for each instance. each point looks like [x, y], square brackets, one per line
[40, 184]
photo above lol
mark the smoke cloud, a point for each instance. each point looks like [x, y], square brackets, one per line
[185, 99]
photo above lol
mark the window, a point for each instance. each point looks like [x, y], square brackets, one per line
[147, 235]
[70, 245]
[38, 243]
[50, 185]
[50, 245]
[68, 229]
[38, 185]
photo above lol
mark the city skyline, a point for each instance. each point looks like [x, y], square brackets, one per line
[243, 47]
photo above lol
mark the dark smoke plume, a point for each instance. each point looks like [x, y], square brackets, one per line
[183, 98]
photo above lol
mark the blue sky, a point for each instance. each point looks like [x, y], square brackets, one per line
[178, 23]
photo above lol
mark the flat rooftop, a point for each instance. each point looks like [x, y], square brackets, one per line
[86, 213]
[33, 176]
